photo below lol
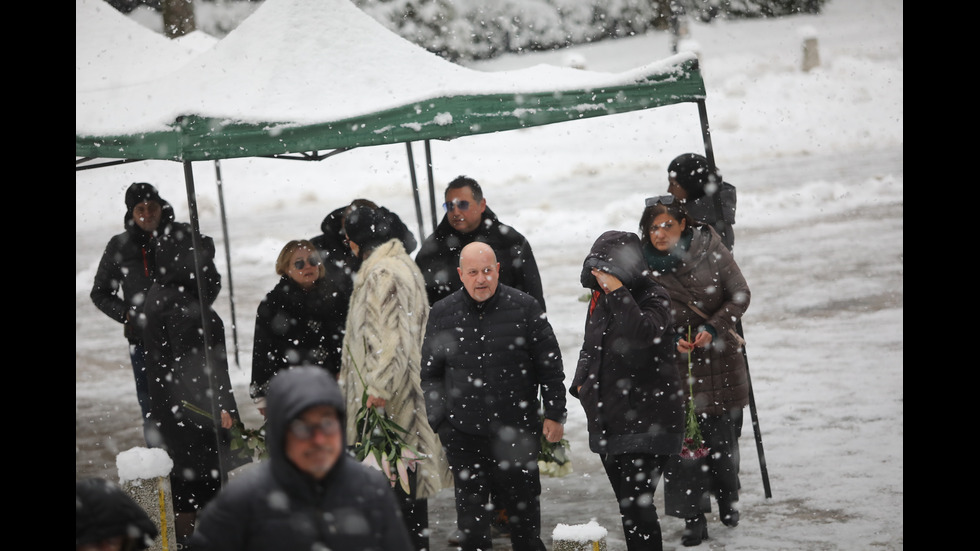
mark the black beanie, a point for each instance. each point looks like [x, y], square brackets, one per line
[368, 227]
[693, 174]
[141, 192]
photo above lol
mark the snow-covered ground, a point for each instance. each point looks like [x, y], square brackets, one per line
[819, 164]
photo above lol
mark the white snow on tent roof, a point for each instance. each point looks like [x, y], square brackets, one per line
[308, 61]
[112, 50]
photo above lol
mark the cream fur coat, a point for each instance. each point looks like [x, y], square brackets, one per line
[386, 322]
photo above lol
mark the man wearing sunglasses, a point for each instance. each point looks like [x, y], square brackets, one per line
[310, 494]
[468, 219]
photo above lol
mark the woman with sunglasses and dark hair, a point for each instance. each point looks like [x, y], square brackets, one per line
[301, 320]
[708, 296]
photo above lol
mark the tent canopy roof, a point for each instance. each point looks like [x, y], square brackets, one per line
[257, 92]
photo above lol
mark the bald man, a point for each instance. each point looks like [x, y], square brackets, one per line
[488, 351]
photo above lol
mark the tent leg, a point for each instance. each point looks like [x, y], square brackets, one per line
[224, 231]
[709, 152]
[432, 186]
[205, 319]
[415, 189]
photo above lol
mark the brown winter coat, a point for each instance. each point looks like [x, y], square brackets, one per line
[708, 279]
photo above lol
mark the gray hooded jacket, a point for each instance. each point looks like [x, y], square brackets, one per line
[274, 505]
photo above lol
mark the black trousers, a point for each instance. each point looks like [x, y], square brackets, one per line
[721, 434]
[505, 465]
[415, 512]
[634, 478]
[688, 490]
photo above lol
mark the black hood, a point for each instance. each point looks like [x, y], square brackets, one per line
[618, 253]
[104, 510]
[292, 391]
[370, 228]
[139, 192]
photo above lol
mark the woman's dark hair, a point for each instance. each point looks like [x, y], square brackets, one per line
[675, 209]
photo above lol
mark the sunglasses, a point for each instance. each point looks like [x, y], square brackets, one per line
[299, 428]
[462, 205]
[662, 199]
[300, 264]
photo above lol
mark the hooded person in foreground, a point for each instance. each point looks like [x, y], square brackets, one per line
[310, 494]
[627, 381]
[108, 519]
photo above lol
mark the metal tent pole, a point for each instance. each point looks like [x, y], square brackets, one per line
[205, 319]
[709, 154]
[432, 187]
[415, 188]
[224, 232]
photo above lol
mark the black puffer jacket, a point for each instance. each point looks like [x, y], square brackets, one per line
[274, 505]
[626, 378]
[717, 211]
[439, 257]
[176, 348]
[295, 326]
[127, 266]
[482, 363]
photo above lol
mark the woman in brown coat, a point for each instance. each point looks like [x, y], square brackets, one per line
[708, 296]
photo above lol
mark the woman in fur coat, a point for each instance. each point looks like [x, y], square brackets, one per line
[386, 323]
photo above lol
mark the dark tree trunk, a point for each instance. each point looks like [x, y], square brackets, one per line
[178, 17]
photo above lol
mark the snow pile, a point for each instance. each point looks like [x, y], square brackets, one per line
[580, 533]
[143, 463]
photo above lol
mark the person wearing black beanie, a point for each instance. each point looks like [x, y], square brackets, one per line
[708, 198]
[126, 271]
[367, 228]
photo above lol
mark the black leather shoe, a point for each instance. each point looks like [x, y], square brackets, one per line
[728, 511]
[695, 530]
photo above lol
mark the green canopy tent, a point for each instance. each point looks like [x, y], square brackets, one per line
[186, 116]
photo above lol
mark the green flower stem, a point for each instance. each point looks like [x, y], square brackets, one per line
[692, 429]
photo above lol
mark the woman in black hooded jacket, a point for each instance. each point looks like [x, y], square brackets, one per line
[627, 382]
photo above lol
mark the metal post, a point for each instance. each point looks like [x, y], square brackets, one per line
[224, 232]
[205, 319]
[755, 419]
[432, 187]
[710, 156]
[415, 188]
[709, 152]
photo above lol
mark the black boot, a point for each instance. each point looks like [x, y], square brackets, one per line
[728, 511]
[695, 530]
